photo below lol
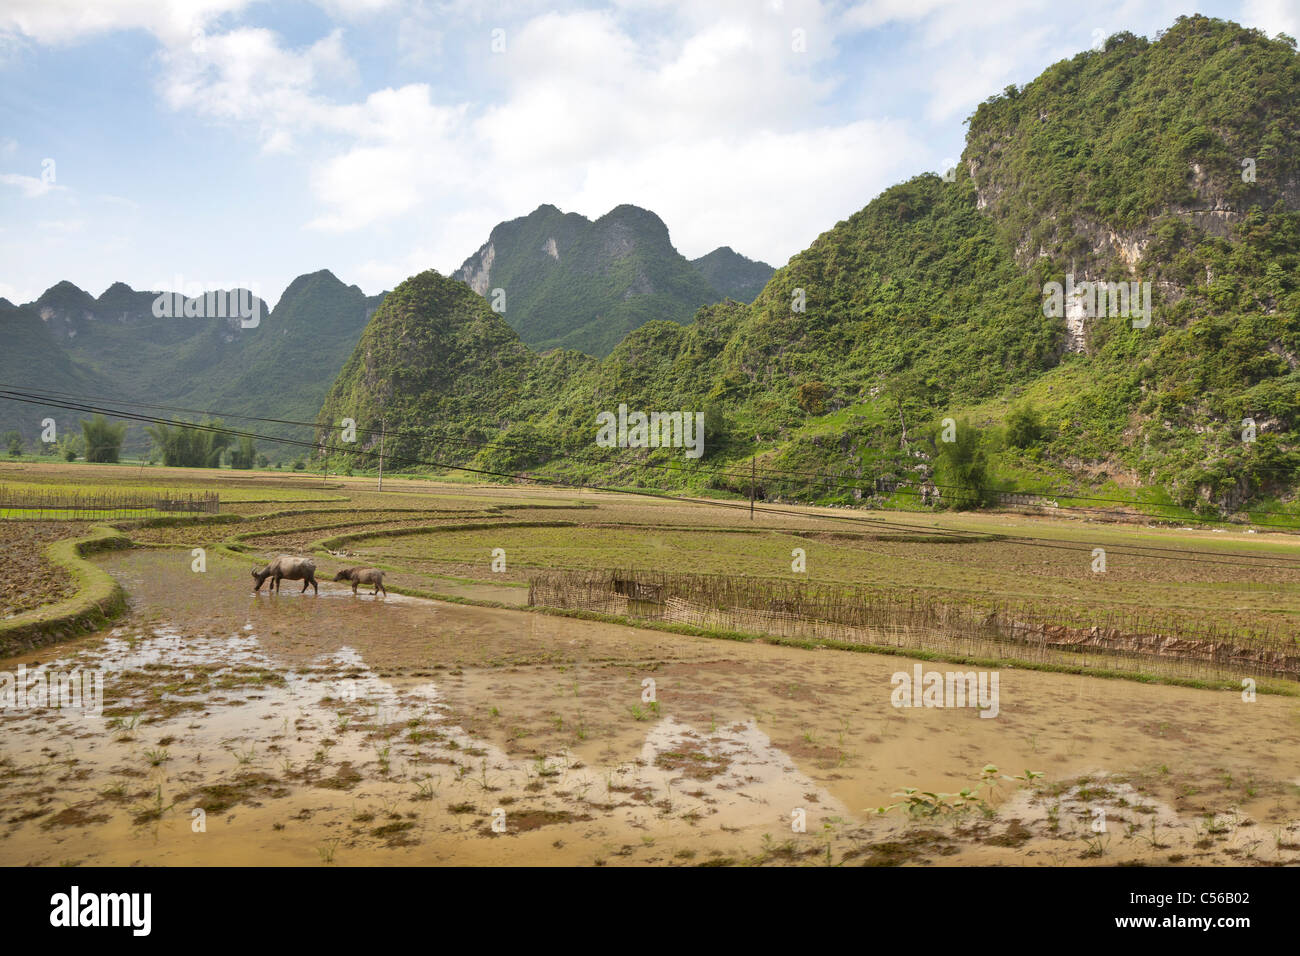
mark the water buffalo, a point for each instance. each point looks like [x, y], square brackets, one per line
[287, 566]
[363, 576]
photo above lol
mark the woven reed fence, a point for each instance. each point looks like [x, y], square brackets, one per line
[98, 505]
[855, 615]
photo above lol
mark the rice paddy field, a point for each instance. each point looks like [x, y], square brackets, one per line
[453, 722]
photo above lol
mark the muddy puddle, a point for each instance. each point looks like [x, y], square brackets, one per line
[342, 730]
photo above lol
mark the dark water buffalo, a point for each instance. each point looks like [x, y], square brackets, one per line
[363, 576]
[287, 566]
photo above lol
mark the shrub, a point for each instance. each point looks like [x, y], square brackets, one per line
[1023, 426]
[811, 397]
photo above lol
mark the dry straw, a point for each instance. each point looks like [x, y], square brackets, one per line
[97, 505]
[892, 618]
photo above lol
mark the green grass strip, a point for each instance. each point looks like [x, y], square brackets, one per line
[98, 601]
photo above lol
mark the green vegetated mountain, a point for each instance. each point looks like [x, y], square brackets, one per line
[563, 281]
[33, 355]
[441, 372]
[733, 275]
[1173, 162]
[114, 347]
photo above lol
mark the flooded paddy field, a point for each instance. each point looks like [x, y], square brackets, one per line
[333, 729]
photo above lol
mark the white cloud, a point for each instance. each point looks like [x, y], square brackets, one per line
[878, 13]
[246, 76]
[1272, 16]
[68, 21]
[588, 113]
[356, 9]
[408, 150]
[702, 118]
[712, 193]
[419, 37]
[16, 295]
[172, 21]
[967, 51]
[702, 112]
[31, 186]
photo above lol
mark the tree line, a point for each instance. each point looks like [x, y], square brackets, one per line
[202, 445]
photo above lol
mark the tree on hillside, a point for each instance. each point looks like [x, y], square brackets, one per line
[13, 441]
[961, 470]
[1023, 426]
[811, 397]
[520, 447]
[103, 438]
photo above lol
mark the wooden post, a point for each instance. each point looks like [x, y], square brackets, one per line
[382, 423]
[753, 470]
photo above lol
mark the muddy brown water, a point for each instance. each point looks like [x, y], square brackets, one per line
[333, 729]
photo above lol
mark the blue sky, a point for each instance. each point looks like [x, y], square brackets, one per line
[232, 142]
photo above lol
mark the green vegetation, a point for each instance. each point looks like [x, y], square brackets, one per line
[961, 466]
[1120, 164]
[575, 284]
[187, 447]
[1136, 140]
[282, 368]
[732, 275]
[434, 352]
[98, 598]
[1142, 590]
[244, 455]
[927, 305]
[1023, 426]
[102, 438]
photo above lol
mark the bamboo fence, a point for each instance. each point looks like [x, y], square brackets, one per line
[884, 618]
[97, 505]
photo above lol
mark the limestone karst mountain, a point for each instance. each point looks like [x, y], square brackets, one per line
[563, 281]
[1123, 164]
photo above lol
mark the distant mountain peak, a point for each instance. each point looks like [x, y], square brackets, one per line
[570, 282]
[320, 275]
[63, 291]
[733, 275]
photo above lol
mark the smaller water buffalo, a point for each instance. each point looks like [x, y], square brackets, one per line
[287, 566]
[363, 576]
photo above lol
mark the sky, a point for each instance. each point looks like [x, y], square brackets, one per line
[175, 144]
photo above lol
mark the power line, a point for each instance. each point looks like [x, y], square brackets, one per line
[877, 524]
[769, 474]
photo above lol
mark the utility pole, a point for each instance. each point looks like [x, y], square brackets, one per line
[381, 453]
[753, 472]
